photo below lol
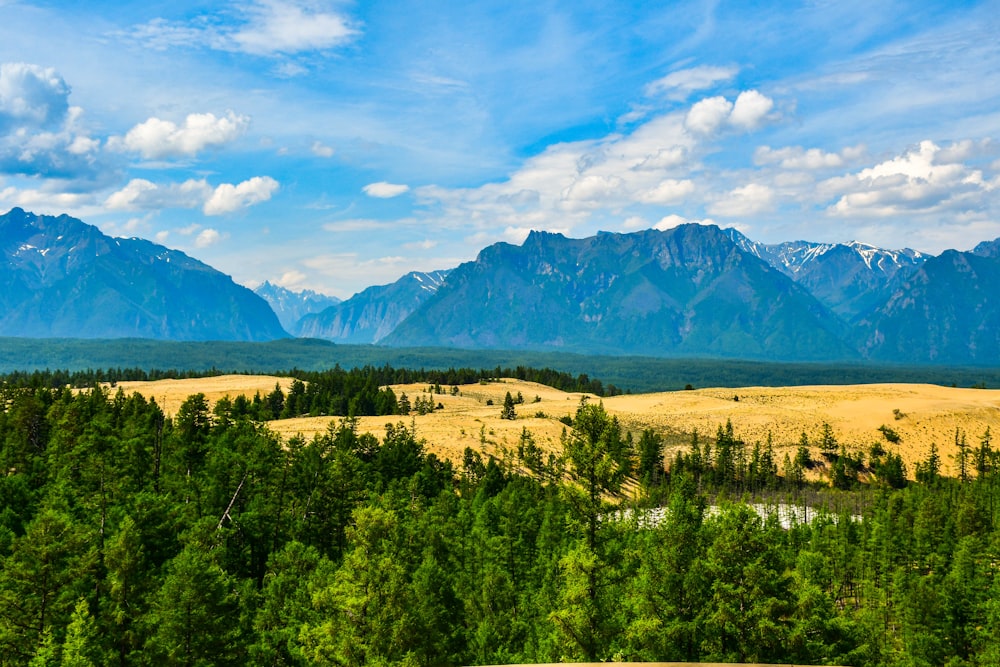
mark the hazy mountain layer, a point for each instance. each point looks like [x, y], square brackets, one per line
[371, 315]
[291, 306]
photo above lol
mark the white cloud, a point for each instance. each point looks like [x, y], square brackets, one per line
[129, 197]
[269, 28]
[516, 235]
[592, 190]
[747, 200]
[40, 133]
[47, 200]
[320, 150]
[383, 190]
[674, 220]
[750, 109]
[670, 221]
[708, 115]
[289, 27]
[31, 96]
[290, 279]
[665, 158]
[669, 191]
[228, 198]
[623, 175]
[683, 82]
[142, 194]
[925, 179]
[796, 157]
[83, 145]
[206, 238]
[156, 138]
[747, 113]
[161, 237]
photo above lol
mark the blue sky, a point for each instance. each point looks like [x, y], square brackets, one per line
[336, 145]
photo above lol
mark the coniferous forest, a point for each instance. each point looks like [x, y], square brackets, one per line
[131, 538]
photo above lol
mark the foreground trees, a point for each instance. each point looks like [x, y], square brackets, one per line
[128, 538]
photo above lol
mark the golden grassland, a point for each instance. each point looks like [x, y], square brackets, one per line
[920, 414]
[169, 394]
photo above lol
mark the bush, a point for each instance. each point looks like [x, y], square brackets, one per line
[889, 434]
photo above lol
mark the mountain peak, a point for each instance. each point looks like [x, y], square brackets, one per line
[988, 248]
[65, 278]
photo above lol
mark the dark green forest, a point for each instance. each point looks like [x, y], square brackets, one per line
[131, 538]
[634, 374]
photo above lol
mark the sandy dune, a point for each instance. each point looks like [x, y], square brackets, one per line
[919, 414]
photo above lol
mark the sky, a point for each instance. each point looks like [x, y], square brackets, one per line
[337, 145]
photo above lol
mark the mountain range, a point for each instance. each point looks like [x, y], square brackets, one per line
[372, 314]
[61, 277]
[689, 291]
[291, 306]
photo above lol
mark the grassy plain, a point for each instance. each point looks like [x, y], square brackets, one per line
[169, 394]
[920, 414]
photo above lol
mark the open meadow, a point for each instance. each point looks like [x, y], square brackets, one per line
[919, 414]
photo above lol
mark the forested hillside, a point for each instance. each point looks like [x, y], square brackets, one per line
[131, 538]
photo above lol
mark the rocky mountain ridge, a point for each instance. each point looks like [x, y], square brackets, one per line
[60, 277]
[689, 291]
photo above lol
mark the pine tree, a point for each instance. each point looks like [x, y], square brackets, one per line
[507, 412]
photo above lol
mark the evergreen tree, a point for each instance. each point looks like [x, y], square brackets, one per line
[507, 412]
[194, 619]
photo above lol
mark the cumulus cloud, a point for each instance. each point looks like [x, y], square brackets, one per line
[40, 133]
[142, 194]
[925, 179]
[592, 190]
[669, 191]
[750, 110]
[683, 82]
[157, 138]
[747, 200]
[708, 115]
[228, 198]
[31, 96]
[383, 190]
[47, 200]
[207, 237]
[623, 176]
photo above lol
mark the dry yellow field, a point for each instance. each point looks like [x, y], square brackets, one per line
[466, 420]
[926, 414]
[169, 394]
